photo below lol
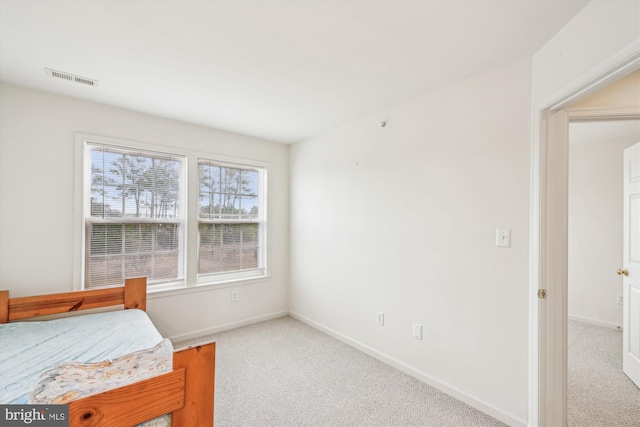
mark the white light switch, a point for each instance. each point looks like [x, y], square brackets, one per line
[503, 237]
[417, 331]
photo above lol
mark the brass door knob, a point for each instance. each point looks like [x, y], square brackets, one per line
[623, 272]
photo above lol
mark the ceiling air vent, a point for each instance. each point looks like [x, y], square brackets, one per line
[71, 77]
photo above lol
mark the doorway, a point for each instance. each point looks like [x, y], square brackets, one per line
[598, 392]
[549, 237]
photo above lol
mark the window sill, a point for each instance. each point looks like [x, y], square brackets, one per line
[204, 287]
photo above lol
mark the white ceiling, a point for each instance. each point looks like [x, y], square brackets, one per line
[279, 70]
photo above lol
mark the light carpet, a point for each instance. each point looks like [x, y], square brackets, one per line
[599, 393]
[284, 373]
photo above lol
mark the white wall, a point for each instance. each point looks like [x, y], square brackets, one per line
[599, 31]
[595, 229]
[37, 203]
[402, 219]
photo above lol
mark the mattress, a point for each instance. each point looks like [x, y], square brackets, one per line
[29, 349]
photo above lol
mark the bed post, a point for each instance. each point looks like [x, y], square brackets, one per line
[135, 293]
[4, 307]
[199, 390]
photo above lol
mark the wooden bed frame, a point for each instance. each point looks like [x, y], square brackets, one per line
[187, 392]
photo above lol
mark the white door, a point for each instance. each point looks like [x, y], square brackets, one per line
[630, 271]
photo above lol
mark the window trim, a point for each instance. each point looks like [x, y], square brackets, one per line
[190, 181]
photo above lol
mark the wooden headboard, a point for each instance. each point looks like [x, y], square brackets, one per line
[133, 295]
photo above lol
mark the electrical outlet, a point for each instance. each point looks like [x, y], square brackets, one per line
[620, 299]
[417, 331]
[380, 318]
[234, 296]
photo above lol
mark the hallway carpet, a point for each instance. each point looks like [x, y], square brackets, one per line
[599, 393]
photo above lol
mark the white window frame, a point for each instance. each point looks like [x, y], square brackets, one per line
[189, 214]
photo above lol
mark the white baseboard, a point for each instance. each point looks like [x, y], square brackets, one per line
[596, 322]
[227, 326]
[419, 375]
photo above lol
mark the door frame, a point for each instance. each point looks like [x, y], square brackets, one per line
[549, 235]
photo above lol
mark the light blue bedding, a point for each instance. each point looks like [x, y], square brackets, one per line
[29, 348]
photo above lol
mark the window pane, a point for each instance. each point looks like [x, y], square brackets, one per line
[166, 238]
[138, 238]
[139, 266]
[227, 192]
[250, 182]
[166, 265]
[150, 250]
[228, 247]
[249, 207]
[105, 239]
[133, 185]
[104, 271]
[209, 205]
